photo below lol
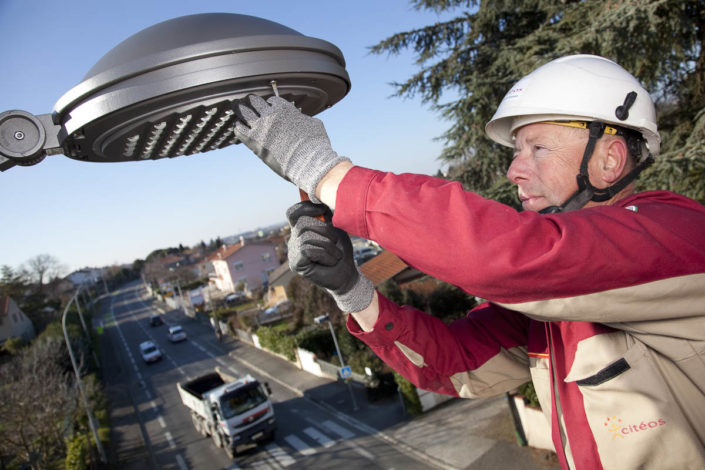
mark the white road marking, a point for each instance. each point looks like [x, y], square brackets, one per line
[170, 439]
[319, 437]
[280, 455]
[337, 429]
[299, 445]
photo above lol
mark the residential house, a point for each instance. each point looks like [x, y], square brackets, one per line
[247, 263]
[85, 276]
[13, 322]
[279, 279]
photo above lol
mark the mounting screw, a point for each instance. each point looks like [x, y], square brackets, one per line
[19, 135]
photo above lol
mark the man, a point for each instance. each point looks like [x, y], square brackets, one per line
[595, 293]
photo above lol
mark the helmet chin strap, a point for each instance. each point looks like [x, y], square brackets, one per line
[586, 191]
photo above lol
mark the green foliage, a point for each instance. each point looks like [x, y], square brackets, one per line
[309, 301]
[360, 359]
[467, 64]
[276, 339]
[76, 453]
[448, 302]
[104, 436]
[161, 253]
[13, 283]
[391, 290]
[14, 345]
[317, 340]
[224, 313]
[412, 403]
[194, 285]
[529, 393]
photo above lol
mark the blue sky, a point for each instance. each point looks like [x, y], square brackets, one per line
[98, 214]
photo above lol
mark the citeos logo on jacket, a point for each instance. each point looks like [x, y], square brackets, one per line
[620, 430]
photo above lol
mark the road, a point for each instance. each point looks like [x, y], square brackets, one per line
[153, 429]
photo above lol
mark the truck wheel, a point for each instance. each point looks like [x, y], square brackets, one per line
[217, 439]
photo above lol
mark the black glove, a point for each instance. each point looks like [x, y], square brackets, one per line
[323, 254]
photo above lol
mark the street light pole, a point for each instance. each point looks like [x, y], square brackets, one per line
[335, 341]
[320, 320]
[91, 419]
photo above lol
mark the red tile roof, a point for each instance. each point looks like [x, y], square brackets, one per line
[382, 267]
[224, 251]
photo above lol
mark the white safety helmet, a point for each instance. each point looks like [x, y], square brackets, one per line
[577, 88]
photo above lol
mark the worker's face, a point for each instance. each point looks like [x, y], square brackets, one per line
[546, 160]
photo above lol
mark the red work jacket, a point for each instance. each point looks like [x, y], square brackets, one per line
[601, 307]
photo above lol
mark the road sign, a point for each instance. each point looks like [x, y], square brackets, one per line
[345, 372]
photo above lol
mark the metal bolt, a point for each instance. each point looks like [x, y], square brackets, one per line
[19, 135]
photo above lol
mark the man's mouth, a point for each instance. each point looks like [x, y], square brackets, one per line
[528, 201]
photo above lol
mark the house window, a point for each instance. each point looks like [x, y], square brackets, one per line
[238, 266]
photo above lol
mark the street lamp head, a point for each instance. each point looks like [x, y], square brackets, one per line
[168, 91]
[321, 319]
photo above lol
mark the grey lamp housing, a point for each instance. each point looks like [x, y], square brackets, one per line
[168, 90]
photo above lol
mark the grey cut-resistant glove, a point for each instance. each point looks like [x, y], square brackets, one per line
[294, 145]
[323, 254]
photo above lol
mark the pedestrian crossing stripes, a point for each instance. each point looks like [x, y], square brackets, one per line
[322, 439]
[337, 429]
[299, 445]
[280, 455]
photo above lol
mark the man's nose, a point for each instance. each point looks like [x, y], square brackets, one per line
[518, 169]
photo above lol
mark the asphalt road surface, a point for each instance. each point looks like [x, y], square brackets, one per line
[152, 429]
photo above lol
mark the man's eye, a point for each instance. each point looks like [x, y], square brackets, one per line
[540, 149]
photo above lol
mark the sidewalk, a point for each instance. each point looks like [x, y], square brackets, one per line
[460, 434]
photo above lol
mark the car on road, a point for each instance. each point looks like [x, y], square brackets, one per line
[176, 334]
[155, 320]
[150, 352]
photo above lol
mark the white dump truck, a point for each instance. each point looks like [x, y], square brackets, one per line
[233, 411]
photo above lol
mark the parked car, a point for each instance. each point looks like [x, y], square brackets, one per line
[155, 320]
[365, 254]
[235, 298]
[280, 307]
[176, 334]
[150, 352]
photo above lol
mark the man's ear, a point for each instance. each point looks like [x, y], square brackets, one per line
[613, 161]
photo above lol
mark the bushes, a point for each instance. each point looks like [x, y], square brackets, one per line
[316, 340]
[444, 301]
[276, 339]
[529, 393]
[76, 453]
[14, 345]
